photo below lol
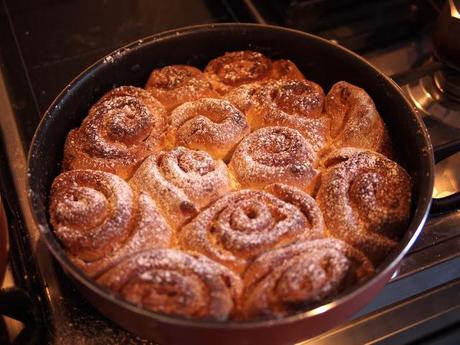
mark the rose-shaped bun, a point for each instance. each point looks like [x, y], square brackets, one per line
[242, 225]
[177, 84]
[121, 129]
[365, 198]
[182, 182]
[99, 219]
[209, 124]
[176, 283]
[274, 154]
[292, 278]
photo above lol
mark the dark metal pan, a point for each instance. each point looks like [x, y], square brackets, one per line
[3, 242]
[321, 61]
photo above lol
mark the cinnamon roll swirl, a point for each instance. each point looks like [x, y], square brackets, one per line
[274, 154]
[296, 104]
[121, 129]
[99, 219]
[355, 121]
[177, 84]
[176, 283]
[208, 124]
[244, 67]
[365, 198]
[242, 225]
[182, 182]
[249, 239]
[292, 278]
[237, 68]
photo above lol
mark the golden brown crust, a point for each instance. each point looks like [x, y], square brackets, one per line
[173, 142]
[176, 283]
[238, 68]
[301, 275]
[273, 154]
[182, 182]
[99, 219]
[121, 129]
[242, 225]
[208, 124]
[355, 121]
[365, 199]
[301, 98]
[297, 104]
[177, 84]
[285, 69]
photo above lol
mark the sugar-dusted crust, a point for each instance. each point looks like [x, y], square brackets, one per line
[209, 124]
[177, 84]
[126, 125]
[251, 193]
[242, 225]
[355, 121]
[274, 154]
[99, 219]
[238, 68]
[365, 198]
[291, 278]
[176, 283]
[296, 104]
[182, 182]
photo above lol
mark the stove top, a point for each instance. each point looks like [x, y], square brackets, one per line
[46, 43]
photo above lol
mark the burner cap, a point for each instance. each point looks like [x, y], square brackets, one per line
[438, 95]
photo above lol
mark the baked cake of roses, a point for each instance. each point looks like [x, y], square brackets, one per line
[243, 191]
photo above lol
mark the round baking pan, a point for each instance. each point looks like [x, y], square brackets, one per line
[322, 62]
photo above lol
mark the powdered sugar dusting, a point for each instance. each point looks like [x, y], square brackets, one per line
[172, 142]
[121, 129]
[355, 121]
[244, 67]
[301, 274]
[244, 224]
[182, 181]
[184, 284]
[366, 201]
[296, 104]
[209, 124]
[237, 68]
[177, 84]
[274, 154]
[115, 56]
[89, 209]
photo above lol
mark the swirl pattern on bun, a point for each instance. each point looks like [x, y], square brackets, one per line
[182, 182]
[274, 154]
[176, 283]
[209, 124]
[365, 198]
[242, 225]
[295, 277]
[99, 219]
[355, 121]
[296, 104]
[177, 84]
[126, 125]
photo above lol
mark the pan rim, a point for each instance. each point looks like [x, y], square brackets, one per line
[419, 216]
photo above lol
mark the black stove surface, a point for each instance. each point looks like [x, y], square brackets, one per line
[46, 43]
[49, 42]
